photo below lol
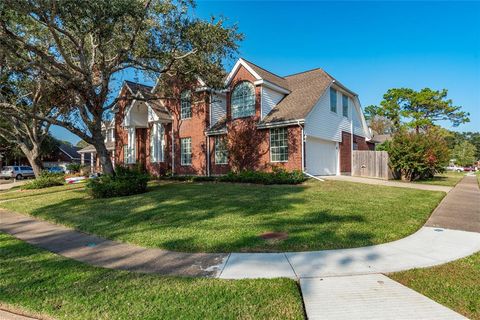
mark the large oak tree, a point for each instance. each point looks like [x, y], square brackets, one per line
[82, 46]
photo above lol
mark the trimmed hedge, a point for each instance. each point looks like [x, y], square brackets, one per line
[45, 180]
[125, 182]
[278, 176]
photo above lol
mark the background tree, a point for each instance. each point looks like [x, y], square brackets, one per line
[379, 124]
[82, 46]
[22, 95]
[419, 109]
[464, 154]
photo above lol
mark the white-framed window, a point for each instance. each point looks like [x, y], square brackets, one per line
[333, 100]
[278, 144]
[185, 105]
[243, 100]
[345, 105]
[186, 151]
[125, 153]
[157, 142]
[221, 151]
[131, 146]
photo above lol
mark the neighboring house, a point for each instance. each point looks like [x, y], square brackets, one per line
[88, 155]
[62, 155]
[306, 121]
[380, 138]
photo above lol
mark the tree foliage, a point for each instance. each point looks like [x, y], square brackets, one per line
[419, 155]
[81, 46]
[464, 154]
[23, 94]
[418, 109]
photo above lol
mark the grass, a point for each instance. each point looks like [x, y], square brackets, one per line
[39, 282]
[218, 217]
[454, 284]
[17, 192]
[449, 179]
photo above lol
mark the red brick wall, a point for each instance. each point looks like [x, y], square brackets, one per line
[193, 128]
[346, 153]
[361, 142]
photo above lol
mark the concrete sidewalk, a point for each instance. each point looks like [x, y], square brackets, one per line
[388, 183]
[368, 297]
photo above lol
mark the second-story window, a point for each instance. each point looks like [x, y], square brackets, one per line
[345, 105]
[185, 105]
[243, 100]
[333, 100]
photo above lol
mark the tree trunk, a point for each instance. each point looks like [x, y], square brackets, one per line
[34, 160]
[102, 154]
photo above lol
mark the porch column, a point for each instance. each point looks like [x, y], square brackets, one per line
[91, 162]
[82, 159]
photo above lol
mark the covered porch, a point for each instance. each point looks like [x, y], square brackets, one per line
[89, 155]
[147, 124]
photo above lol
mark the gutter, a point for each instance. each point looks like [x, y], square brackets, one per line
[280, 123]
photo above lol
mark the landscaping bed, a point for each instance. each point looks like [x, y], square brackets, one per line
[454, 284]
[41, 283]
[224, 217]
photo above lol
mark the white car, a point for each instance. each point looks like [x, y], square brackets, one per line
[17, 172]
[455, 168]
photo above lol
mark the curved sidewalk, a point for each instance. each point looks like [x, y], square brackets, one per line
[433, 244]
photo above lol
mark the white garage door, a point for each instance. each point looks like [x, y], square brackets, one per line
[321, 156]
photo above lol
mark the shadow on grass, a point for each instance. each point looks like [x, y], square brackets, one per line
[207, 217]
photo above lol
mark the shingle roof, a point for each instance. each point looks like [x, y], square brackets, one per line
[90, 148]
[220, 125]
[135, 87]
[269, 76]
[69, 150]
[306, 88]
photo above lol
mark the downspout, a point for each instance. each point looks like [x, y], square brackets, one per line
[173, 153]
[303, 156]
[351, 139]
[208, 154]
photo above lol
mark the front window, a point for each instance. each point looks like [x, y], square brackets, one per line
[157, 142]
[131, 145]
[333, 100]
[221, 152]
[279, 144]
[186, 151]
[185, 105]
[345, 105]
[243, 100]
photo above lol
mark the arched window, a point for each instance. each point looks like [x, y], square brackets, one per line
[185, 105]
[243, 100]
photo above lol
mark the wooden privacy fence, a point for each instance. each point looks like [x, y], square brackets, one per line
[373, 164]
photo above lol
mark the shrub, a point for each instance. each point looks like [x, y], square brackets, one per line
[44, 180]
[125, 182]
[420, 155]
[74, 167]
[277, 176]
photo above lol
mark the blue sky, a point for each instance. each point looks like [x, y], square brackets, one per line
[368, 46]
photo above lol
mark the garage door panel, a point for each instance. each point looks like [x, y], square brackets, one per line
[321, 156]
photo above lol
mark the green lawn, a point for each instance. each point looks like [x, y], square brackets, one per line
[449, 179]
[17, 192]
[220, 217]
[39, 282]
[455, 285]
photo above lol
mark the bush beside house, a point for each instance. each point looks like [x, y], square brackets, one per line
[125, 182]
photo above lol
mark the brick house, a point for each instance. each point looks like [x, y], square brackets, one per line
[306, 121]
